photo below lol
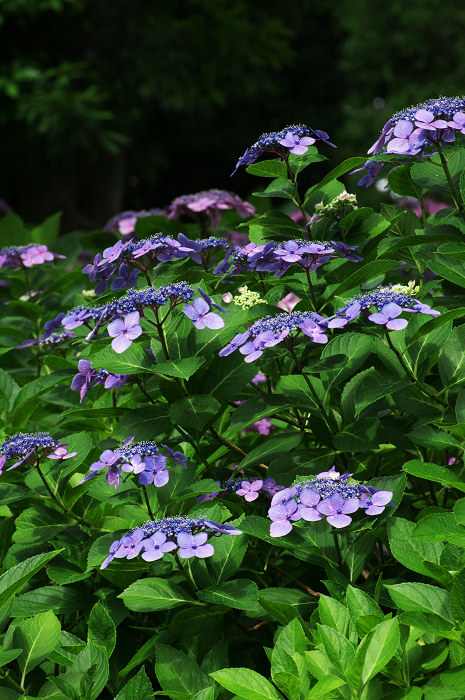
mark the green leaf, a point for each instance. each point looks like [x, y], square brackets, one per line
[12, 231]
[457, 596]
[194, 411]
[178, 674]
[362, 274]
[226, 377]
[134, 360]
[421, 597]
[180, 368]
[92, 663]
[360, 436]
[355, 346]
[433, 437]
[37, 637]
[273, 224]
[147, 423]
[298, 163]
[341, 169]
[101, 630]
[38, 526]
[6, 656]
[246, 683]
[150, 594]
[439, 527]
[400, 181]
[334, 614]
[295, 388]
[411, 553]
[15, 578]
[375, 386]
[323, 687]
[339, 650]
[268, 168]
[434, 472]
[452, 358]
[445, 266]
[435, 323]
[285, 604]
[429, 176]
[240, 593]
[271, 448]
[257, 408]
[47, 232]
[138, 688]
[60, 600]
[378, 648]
[229, 554]
[280, 187]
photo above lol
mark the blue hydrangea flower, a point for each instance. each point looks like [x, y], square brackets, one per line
[417, 130]
[141, 458]
[283, 142]
[330, 494]
[155, 538]
[82, 381]
[32, 447]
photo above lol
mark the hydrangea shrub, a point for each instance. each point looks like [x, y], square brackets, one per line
[231, 460]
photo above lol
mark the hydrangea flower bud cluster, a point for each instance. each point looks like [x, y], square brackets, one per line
[189, 536]
[82, 381]
[52, 339]
[206, 207]
[292, 139]
[417, 130]
[142, 458]
[125, 222]
[250, 489]
[277, 258]
[27, 255]
[246, 298]
[338, 208]
[32, 447]
[271, 330]
[389, 302]
[134, 256]
[328, 494]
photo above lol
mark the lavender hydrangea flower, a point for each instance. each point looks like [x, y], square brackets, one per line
[124, 331]
[281, 143]
[27, 255]
[141, 458]
[417, 130]
[155, 538]
[250, 489]
[330, 494]
[374, 501]
[194, 545]
[388, 317]
[156, 546]
[32, 447]
[125, 222]
[336, 509]
[127, 277]
[206, 207]
[201, 315]
[387, 301]
[82, 381]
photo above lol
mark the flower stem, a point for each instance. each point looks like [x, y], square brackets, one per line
[58, 501]
[338, 548]
[455, 194]
[231, 445]
[147, 502]
[431, 394]
[139, 384]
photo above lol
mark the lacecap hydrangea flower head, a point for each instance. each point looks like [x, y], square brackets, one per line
[328, 494]
[32, 447]
[417, 130]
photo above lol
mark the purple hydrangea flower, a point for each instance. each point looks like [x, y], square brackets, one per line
[309, 501]
[375, 501]
[282, 516]
[156, 546]
[154, 471]
[124, 331]
[337, 509]
[194, 545]
[177, 457]
[81, 381]
[201, 315]
[127, 277]
[35, 445]
[130, 545]
[388, 317]
[296, 145]
[250, 489]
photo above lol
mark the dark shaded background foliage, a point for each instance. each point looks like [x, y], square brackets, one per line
[101, 101]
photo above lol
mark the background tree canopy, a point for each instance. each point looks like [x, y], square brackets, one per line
[100, 101]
